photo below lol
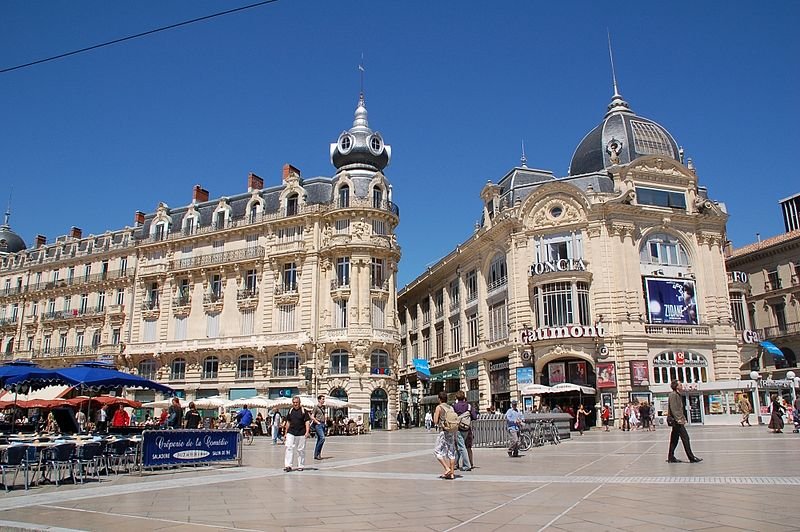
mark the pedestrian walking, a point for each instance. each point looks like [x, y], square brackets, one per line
[297, 425]
[605, 416]
[446, 420]
[746, 409]
[399, 419]
[776, 411]
[175, 414]
[644, 415]
[464, 410]
[80, 417]
[626, 417]
[319, 422]
[102, 419]
[676, 418]
[428, 420]
[580, 421]
[277, 421]
[514, 420]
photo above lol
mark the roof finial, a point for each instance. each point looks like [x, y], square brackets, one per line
[361, 71]
[8, 210]
[523, 160]
[613, 71]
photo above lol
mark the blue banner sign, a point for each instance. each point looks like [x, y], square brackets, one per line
[671, 301]
[176, 447]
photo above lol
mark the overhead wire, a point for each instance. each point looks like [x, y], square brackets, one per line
[136, 36]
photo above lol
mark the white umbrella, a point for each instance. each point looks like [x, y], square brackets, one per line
[569, 387]
[208, 403]
[258, 401]
[306, 401]
[165, 403]
[535, 389]
[330, 402]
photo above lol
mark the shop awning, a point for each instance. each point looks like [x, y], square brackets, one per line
[445, 375]
[772, 349]
[429, 400]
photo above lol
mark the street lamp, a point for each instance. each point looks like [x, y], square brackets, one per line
[527, 338]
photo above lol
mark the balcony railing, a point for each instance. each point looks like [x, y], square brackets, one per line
[247, 293]
[80, 280]
[213, 297]
[281, 289]
[181, 301]
[379, 285]
[337, 284]
[151, 304]
[497, 284]
[66, 351]
[678, 330]
[776, 331]
[8, 321]
[217, 258]
[71, 314]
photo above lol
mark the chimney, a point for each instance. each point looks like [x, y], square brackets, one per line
[75, 232]
[199, 194]
[289, 170]
[138, 218]
[41, 240]
[254, 182]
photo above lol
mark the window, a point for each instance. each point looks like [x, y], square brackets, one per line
[67, 303]
[159, 231]
[152, 296]
[426, 345]
[779, 311]
[149, 330]
[290, 277]
[248, 322]
[426, 312]
[376, 273]
[34, 308]
[212, 325]
[46, 344]
[101, 301]
[177, 370]
[220, 218]
[210, 367]
[115, 336]
[379, 227]
[438, 303]
[472, 330]
[403, 354]
[290, 234]
[180, 327]
[255, 208]
[246, 367]
[685, 366]
[773, 280]
[190, 223]
[498, 275]
[439, 340]
[344, 196]
[472, 286]
[378, 313]
[29, 344]
[285, 365]
[70, 274]
[87, 271]
[555, 304]
[123, 265]
[552, 248]
[455, 335]
[120, 299]
[187, 257]
[340, 313]
[737, 311]
[660, 198]
[251, 241]
[377, 197]
[291, 204]
[79, 341]
[62, 343]
[649, 139]
[498, 322]
[286, 318]
[339, 362]
[216, 287]
[96, 339]
[664, 250]
[342, 226]
[455, 294]
[51, 306]
[84, 304]
[343, 271]
[379, 362]
[147, 369]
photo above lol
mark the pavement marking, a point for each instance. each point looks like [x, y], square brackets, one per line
[497, 507]
[132, 516]
[601, 458]
[28, 526]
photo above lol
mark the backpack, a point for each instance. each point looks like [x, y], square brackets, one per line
[465, 419]
[450, 420]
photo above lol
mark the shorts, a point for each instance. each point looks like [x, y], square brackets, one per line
[445, 445]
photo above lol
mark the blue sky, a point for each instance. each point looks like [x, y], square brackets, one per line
[454, 87]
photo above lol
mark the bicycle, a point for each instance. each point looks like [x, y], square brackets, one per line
[525, 440]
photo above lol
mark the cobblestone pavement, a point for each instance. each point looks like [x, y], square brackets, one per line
[749, 480]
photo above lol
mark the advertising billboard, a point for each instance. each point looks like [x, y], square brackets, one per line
[671, 301]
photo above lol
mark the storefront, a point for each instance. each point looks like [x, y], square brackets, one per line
[707, 403]
[500, 385]
[783, 388]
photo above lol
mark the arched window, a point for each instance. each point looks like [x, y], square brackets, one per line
[664, 250]
[210, 367]
[190, 223]
[285, 365]
[253, 211]
[498, 273]
[379, 362]
[685, 366]
[159, 230]
[246, 366]
[338, 393]
[147, 369]
[177, 370]
[344, 196]
[340, 362]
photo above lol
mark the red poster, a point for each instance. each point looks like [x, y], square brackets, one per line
[606, 375]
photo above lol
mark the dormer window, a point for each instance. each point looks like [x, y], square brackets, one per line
[160, 230]
[190, 223]
[344, 196]
[375, 144]
[291, 205]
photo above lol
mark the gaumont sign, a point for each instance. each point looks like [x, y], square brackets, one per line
[529, 336]
[560, 265]
[750, 337]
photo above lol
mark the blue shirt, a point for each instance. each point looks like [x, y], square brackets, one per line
[514, 419]
[245, 417]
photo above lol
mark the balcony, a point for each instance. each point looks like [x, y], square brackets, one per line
[778, 331]
[250, 342]
[340, 284]
[72, 314]
[677, 330]
[182, 301]
[497, 285]
[382, 286]
[151, 304]
[225, 257]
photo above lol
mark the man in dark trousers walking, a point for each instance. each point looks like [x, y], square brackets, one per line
[676, 414]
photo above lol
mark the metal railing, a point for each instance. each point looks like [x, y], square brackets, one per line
[223, 257]
[181, 301]
[150, 304]
[246, 293]
[337, 284]
[497, 284]
[678, 330]
[71, 314]
[777, 331]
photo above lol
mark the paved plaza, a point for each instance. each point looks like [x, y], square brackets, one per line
[749, 480]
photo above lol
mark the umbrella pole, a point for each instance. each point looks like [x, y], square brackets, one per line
[14, 415]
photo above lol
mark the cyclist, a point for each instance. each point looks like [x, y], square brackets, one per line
[514, 420]
[244, 418]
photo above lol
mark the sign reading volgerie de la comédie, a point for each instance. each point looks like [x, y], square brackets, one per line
[568, 331]
[559, 265]
[176, 447]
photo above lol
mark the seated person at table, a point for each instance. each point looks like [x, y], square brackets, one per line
[121, 418]
[244, 417]
[51, 425]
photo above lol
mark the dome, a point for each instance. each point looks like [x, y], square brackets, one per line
[620, 138]
[10, 242]
[360, 147]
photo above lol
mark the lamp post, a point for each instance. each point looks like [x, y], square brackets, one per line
[756, 376]
[527, 338]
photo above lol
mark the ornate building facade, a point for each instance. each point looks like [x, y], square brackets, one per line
[275, 291]
[611, 278]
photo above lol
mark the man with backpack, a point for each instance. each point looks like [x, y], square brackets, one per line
[465, 417]
[446, 419]
[514, 420]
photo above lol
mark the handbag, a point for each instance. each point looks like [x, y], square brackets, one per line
[576, 425]
[670, 419]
